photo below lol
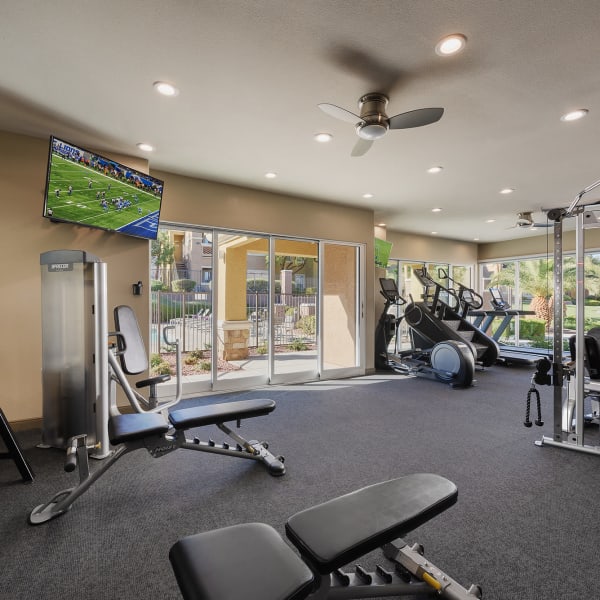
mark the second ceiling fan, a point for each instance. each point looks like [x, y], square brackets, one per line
[373, 123]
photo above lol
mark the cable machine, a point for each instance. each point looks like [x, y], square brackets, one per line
[568, 413]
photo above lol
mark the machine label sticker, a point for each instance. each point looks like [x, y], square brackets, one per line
[53, 268]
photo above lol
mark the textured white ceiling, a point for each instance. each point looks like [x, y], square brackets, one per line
[252, 73]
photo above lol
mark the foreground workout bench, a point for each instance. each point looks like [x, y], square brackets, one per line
[152, 426]
[252, 562]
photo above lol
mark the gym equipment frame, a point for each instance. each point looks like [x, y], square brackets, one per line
[568, 413]
[151, 426]
[14, 450]
[328, 537]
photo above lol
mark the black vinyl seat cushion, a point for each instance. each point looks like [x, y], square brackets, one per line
[135, 426]
[242, 562]
[337, 532]
[199, 416]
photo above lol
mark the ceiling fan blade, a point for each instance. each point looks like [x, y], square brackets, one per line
[361, 147]
[416, 118]
[339, 113]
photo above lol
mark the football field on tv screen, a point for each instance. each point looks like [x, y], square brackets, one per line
[79, 193]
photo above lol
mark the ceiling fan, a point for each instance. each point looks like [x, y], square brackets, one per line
[525, 221]
[373, 123]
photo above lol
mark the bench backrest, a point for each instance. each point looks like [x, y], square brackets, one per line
[132, 352]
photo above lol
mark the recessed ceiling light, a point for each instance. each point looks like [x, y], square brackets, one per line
[434, 233]
[575, 115]
[381, 225]
[367, 195]
[435, 169]
[451, 44]
[166, 89]
[145, 147]
[475, 239]
[436, 210]
[507, 190]
[323, 138]
[491, 221]
[270, 175]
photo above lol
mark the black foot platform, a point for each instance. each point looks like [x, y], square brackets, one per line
[328, 536]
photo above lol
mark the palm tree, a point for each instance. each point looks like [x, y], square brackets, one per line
[536, 277]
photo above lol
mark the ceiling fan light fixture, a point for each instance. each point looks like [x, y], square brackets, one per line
[145, 147]
[371, 131]
[451, 44]
[575, 115]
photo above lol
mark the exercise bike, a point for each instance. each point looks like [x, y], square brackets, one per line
[449, 361]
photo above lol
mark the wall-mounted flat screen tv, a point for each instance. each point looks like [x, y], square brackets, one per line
[87, 189]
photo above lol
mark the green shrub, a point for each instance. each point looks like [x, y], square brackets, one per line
[196, 355]
[290, 311]
[592, 302]
[158, 286]
[297, 345]
[155, 360]
[205, 365]
[571, 323]
[190, 360]
[258, 285]
[308, 324]
[183, 285]
[532, 329]
[162, 368]
[263, 348]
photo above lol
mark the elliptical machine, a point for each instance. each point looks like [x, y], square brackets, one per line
[449, 361]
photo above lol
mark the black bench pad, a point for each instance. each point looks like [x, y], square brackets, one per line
[135, 426]
[242, 562]
[198, 416]
[337, 532]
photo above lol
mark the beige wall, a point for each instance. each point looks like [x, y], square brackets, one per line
[26, 235]
[537, 244]
[426, 248]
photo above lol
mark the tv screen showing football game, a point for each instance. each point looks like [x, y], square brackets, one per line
[88, 189]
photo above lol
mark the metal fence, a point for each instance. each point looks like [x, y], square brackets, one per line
[191, 313]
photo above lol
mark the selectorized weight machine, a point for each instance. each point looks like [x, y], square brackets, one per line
[104, 431]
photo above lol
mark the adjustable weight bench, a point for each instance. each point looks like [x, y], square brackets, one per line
[252, 562]
[152, 426]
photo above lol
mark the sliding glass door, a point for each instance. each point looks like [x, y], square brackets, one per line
[295, 310]
[251, 309]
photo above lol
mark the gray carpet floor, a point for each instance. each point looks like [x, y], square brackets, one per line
[525, 525]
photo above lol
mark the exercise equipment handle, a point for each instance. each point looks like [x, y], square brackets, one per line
[71, 460]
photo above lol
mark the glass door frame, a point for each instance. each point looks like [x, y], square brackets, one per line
[359, 367]
[213, 384]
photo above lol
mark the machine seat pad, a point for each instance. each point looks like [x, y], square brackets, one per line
[340, 531]
[135, 426]
[242, 562]
[198, 416]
